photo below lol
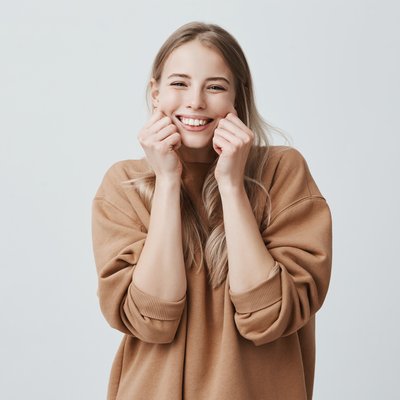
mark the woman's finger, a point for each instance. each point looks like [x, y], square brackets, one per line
[157, 114]
[158, 125]
[229, 136]
[230, 126]
[163, 133]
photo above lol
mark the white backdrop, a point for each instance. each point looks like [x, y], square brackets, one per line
[72, 84]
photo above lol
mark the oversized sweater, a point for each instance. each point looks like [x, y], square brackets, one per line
[214, 344]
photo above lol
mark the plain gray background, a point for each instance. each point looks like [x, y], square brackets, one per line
[73, 77]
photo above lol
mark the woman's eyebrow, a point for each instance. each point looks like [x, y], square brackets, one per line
[213, 78]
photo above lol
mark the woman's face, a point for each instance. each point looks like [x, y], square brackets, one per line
[203, 92]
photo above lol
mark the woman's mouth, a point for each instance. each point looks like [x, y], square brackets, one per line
[192, 124]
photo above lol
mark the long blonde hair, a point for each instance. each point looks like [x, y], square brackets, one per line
[197, 239]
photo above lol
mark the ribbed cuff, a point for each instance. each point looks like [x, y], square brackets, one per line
[154, 307]
[261, 296]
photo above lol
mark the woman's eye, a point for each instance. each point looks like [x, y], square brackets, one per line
[217, 87]
[213, 87]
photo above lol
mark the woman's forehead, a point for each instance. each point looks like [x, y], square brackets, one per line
[196, 61]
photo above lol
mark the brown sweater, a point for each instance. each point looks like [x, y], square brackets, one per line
[212, 344]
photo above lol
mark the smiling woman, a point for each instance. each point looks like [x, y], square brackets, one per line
[203, 85]
[211, 193]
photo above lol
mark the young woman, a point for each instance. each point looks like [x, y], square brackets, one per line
[213, 251]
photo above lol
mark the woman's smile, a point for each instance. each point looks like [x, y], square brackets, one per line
[190, 125]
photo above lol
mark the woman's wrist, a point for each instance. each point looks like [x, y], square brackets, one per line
[168, 181]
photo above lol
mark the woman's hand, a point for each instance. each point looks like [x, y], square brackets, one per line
[232, 141]
[160, 138]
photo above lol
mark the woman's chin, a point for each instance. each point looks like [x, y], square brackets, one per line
[191, 140]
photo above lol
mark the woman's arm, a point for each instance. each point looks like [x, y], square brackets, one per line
[160, 270]
[120, 226]
[250, 263]
[300, 240]
[279, 299]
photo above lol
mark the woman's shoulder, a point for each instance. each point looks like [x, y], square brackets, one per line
[127, 168]
[112, 186]
[284, 154]
[284, 158]
[288, 178]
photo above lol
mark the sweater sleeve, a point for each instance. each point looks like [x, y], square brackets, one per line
[299, 238]
[118, 240]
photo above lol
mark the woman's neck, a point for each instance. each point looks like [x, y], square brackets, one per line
[190, 155]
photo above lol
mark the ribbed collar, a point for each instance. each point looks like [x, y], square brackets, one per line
[194, 175]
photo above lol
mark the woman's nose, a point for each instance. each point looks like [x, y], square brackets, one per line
[196, 99]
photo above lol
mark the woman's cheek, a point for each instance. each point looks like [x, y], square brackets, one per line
[170, 102]
[222, 109]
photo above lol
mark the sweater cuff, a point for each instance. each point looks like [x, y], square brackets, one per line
[154, 307]
[261, 296]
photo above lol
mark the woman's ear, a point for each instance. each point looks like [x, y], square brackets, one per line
[154, 92]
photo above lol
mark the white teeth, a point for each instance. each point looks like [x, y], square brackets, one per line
[193, 122]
